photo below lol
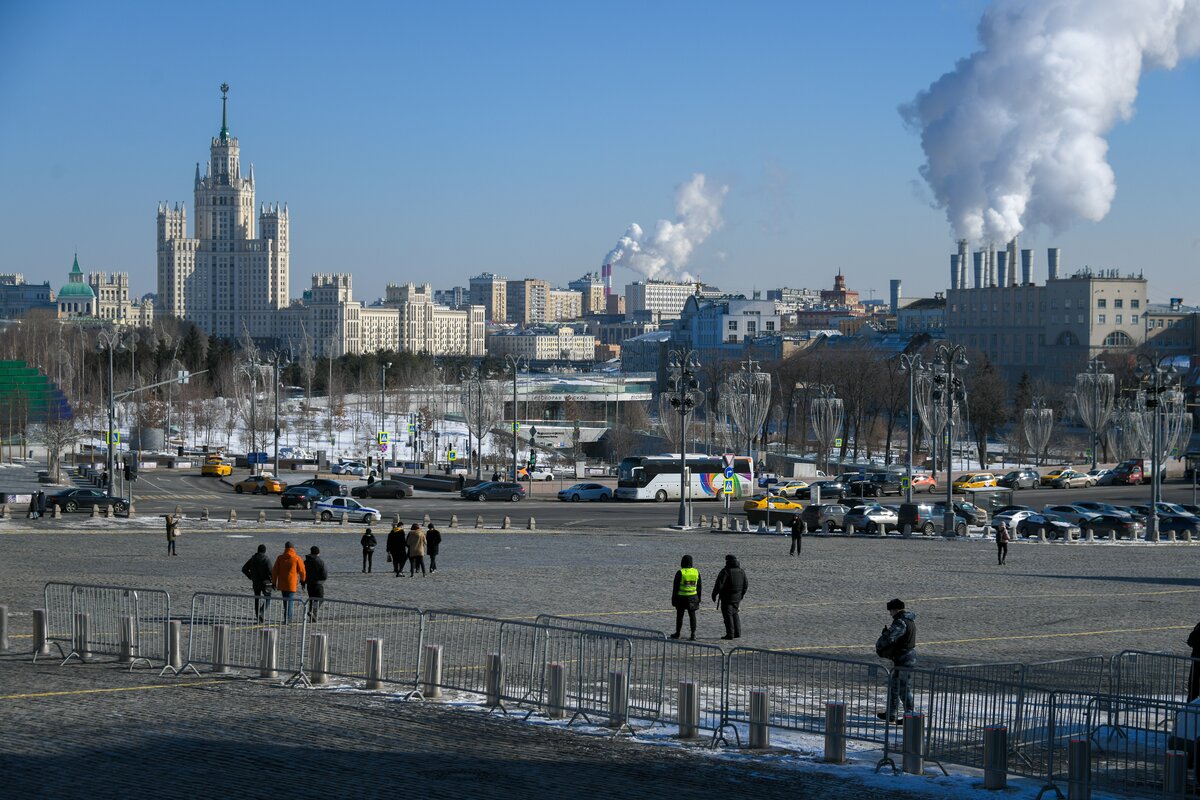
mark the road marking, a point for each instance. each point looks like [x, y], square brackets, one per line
[109, 690]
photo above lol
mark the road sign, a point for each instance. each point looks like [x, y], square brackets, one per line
[837, 442]
[904, 482]
[451, 455]
[412, 428]
[729, 472]
[383, 447]
[383, 437]
[532, 459]
[727, 459]
[516, 427]
[114, 437]
[728, 486]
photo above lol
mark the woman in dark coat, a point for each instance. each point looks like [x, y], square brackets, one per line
[368, 549]
[685, 595]
[433, 542]
[397, 548]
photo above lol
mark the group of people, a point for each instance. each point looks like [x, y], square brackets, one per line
[404, 548]
[37, 505]
[288, 574]
[728, 591]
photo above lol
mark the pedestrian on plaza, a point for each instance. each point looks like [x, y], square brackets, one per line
[416, 550]
[729, 590]
[315, 575]
[368, 549]
[397, 548]
[258, 570]
[433, 543]
[33, 506]
[685, 596]
[1193, 641]
[797, 535]
[371, 478]
[286, 576]
[41, 498]
[172, 521]
[1002, 540]
[898, 643]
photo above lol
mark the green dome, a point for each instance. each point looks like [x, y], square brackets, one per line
[76, 287]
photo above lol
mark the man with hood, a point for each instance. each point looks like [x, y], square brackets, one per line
[685, 595]
[898, 643]
[258, 570]
[730, 588]
[397, 548]
[314, 580]
[286, 576]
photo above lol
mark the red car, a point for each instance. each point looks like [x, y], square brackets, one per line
[1128, 473]
[924, 483]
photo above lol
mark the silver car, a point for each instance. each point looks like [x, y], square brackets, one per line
[872, 519]
[1075, 515]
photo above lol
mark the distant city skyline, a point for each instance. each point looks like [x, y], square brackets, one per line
[434, 143]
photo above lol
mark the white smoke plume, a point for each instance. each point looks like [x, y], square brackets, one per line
[665, 253]
[1015, 135]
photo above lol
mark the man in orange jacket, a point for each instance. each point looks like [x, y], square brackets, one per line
[286, 576]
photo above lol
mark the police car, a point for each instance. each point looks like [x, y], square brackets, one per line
[333, 507]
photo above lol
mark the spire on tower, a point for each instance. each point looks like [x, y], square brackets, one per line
[224, 125]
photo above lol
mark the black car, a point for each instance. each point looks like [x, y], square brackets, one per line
[876, 484]
[973, 514]
[302, 496]
[830, 490]
[384, 488]
[327, 487]
[1168, 522]
[1115, 526]
[1049, 524]
[84, 500]
[1021, 479]
[494, 490]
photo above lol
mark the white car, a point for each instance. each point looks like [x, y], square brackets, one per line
[1011, 518]
[537, 474]
[350, 468]
[332, 508]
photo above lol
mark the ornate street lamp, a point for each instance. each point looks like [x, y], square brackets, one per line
[910, 364]
[1094, 395]
[1158, 377]
[949, 358]
[685, 395]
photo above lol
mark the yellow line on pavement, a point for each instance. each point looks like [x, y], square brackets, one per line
[108, 690]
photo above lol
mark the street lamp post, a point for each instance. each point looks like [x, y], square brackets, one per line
[684, 388]
[279, 361]
[948, 358]
[910, 364]
[514, 363]
[1160, 376]
[383, 368]
[110, 340]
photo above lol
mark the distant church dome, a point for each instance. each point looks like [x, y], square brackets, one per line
[76, 287]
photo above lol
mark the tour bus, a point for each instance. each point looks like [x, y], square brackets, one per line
[657, 477]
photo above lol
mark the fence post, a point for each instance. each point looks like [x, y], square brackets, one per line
[618, 699]
[174, 647]
[220, 648]
[318, 644]
[431, 676]
[760, 714]
[82, 623]
[506, 524]
[914, 735]
[689, 710]
[1079, 770]
[1175, 780]
[268, 638]
[995, 757]
[3, 629]
[375, 664]
[835, 733]
[556, 691]
[494, 681]
[41, 632]
[126, 648]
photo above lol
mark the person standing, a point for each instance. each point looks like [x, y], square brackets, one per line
[315, 575]
[33, 506]
[797, 535]
[685, 596]
[898, 643]
[729, 589]
[1193, 641]
[416, 550]
[433, 543]
[172, 533]
[286, 576]
[368, 549]
[258, 570]
[397, 548]
[1002, 539]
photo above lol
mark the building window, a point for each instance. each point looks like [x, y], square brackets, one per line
[1118, 339]
[1101, 303]
[1133, 319]
[1119, 322]
[1067, 303]
[1118, 303]
[733, 324]
[751, 327]
[770, 326]
[1100, 319]
[1135, 303]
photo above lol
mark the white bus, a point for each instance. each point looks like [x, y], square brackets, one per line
[657, 477]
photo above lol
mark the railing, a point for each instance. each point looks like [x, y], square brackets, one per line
[90, 620]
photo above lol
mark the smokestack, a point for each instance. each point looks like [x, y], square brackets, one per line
[964, 257]
[1012, 262]
[954, 271]
[1002, 268]
[895, 295]
[1052, 259]
[991, 266]
[606, 276]
[1026, 267]
[978, 269]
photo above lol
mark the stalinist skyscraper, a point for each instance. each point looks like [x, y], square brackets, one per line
[224, 279]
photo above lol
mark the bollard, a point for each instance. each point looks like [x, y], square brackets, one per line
[779, 527]
[835, 733]
[995, 757]
[129, 512]
[126, 644]
[374, 664]
[316, 517]
[721, 524]
[1089, 535]
[318, 643]
[345, 518]
[760, 717]
[556, 692]
[494, 680]
[1042, 535]
[57, 513]
[1187, 532]
[762, 527]
[41, 633]
[108, 511]
[6, 512]
[618, 699]
[689, 710]
[1175, 780]
[95, 512]
[220, 648]
[453, 521]
[532, 524]
[431, 674]
[204, 514]
[3, 629]
[1170, 538]
[82, 638]
[262, 517]
[287, 515]
[268, 639]
[479, 521]
[1079, 770]
[703, 520]
[178, 511]
[913, 745]
[174, 646]
[425, 521]
[506, 524]
[233, 515]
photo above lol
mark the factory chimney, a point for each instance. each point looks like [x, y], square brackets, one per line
[1053, 254]
[954, 269]
[1026, 267]
[978, 269]
[1012, 262]
[964, 258]
[1002, 268]
[895, 295]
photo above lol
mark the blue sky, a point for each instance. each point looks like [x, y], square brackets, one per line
[434, 141]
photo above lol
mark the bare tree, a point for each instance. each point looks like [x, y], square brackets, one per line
[57, 436]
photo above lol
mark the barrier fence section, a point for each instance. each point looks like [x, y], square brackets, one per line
[958, 706]
[239, 614]
[1132, 759]
[466, 640]
[1154, 676]
[801, 685]
[701, 664]
[600, 655]
[592, 626]
[348, 625]
[60, 614]
[106, 607]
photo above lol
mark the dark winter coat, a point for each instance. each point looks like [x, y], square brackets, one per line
[368, 542]
[314, 574]
[433, 540]
[898, 641]
[1193, 641]
[258, 569]
[731, 583]
[797, 526]
[680, 601]
[396, 544]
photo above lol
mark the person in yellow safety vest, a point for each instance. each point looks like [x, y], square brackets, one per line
[685, 595]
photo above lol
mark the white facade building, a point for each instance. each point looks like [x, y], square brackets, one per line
[434, 329]
[541, 344]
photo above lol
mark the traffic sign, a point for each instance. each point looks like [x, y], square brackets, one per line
[904, 482]
[729, 472]
[727, 459]
[412, 428]
[532, 459]
[516, 427]
[837, 442]
[383, 437]
[383, 447]
[451, 455]
[114, 437]
[728, 486]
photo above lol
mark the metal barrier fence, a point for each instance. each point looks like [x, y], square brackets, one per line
[958, 706]
[1153, 676]
[60, 614]
[601, 655]
[347, 625]
[703, 665]
[466, 640]
[238, 615]
[1133, 759]
[106, 607]
[592, 626]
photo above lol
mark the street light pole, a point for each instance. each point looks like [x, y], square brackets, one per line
[684, 386]
[949, 357]
[912, 364]
[383, 368]
[1161, 376]
[514, 363]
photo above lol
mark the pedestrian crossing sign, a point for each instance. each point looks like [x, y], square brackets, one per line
[412, 428]
[114, 437]
[905, 482]
[729, 486]
[383, 437]
[837, 442]
[451, 455]
[516, 427]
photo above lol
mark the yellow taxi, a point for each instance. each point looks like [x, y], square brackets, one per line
[975, 480]
[216, 468]
[1054, 475]
[773, 502]
[789, 488]
[260, 484]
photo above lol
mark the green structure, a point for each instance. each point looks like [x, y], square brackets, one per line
[76, 299]
[27, 397]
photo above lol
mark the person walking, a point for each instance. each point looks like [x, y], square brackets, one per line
[172, 533]
[368, 543]
[898, 643]
[1193, 641]
[397, 548]
[1002, 539]
[41, 504]
[258, 570]
[416, 550]
[729, 590]
[33, 506]
[315, 575]
[286, 576]
[685, 596]
[797, 535]
[433, 543]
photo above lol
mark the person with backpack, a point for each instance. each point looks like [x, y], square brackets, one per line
[315, 576]
[368, 543]
[1002, 539]
[258, 570]
[898, 643]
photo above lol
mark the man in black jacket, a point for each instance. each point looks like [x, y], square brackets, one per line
[314, 580]
[730, 588]
[397, 548]
[433, 542]
[797, 535]
[258, 570]
[898, 642]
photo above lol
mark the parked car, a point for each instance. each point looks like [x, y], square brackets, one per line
[790, 488]
[871, 518]
[1010, 509]
[1036, 524]
[829, 489]
[1021, 479]
[1191, 509]
[974, 480]
[1175, 508]
[824, 516]
[494, 490]
[586, 491]
[388, 487]
[1097, 507]
[535, 473]
[259, 484]
[300, 496]
[1114, 526]
[773, 502]
[924, 482]
[216, 468]
[84, 499]
[1075, 514]
[327, 487]
[918, 516]
[1102, 477]
[973, 514]
[333, 507]
[1010, 518]
[351, 468]
[1128, 473]
[875, 484]
[1070, 479]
